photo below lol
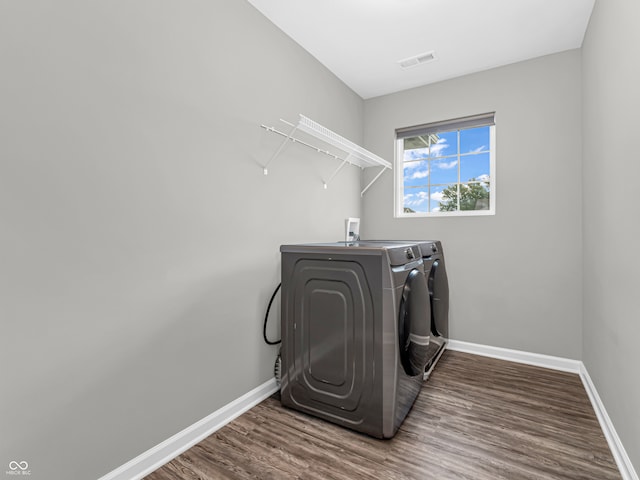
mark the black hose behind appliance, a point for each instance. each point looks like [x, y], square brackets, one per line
[278, 365]
[266, 319]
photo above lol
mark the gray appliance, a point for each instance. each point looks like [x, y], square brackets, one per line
[355, 332]
[438, 284]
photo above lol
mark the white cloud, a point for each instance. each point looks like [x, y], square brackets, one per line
[415, 199]
[439, 146]
[415, 154]
[446, 165]
[479, 149]
[484, 178]
[417, 171]
[437, 196]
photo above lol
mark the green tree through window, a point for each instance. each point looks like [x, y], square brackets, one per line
[473, 196]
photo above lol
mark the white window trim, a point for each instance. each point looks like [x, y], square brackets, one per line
[398, 207]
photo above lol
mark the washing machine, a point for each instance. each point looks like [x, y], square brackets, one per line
[355, 323]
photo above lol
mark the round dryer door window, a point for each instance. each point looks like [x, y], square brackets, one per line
[414, 323]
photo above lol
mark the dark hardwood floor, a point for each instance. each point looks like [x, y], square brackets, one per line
[477, 418]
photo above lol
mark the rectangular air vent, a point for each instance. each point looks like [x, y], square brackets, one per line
[417, 59]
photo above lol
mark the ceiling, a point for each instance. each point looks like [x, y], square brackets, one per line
[361, 41]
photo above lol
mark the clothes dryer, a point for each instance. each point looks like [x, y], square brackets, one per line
[438, 285]
[355, 332]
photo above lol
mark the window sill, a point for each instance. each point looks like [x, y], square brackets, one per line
[463, 213]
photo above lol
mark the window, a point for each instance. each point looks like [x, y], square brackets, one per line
[446, 168]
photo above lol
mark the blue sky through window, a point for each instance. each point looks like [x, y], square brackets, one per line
[455, 156]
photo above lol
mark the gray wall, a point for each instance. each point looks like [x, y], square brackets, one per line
[514, 277]
[138, 236]
[611, 102]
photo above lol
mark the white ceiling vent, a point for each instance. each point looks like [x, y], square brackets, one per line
[417, 59]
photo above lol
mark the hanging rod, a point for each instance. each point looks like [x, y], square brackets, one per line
[295, 140]
[288, 136]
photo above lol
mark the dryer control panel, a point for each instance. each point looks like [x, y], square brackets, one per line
[403, 254]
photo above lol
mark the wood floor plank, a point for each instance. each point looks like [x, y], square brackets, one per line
[477, 418]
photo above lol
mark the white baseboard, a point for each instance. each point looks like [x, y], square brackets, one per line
[166, 451]
[617, 449]
[566, 365]
[539, 360]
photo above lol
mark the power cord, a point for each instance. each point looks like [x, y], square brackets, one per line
[266, 318]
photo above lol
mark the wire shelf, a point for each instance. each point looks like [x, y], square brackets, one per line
[356, 155]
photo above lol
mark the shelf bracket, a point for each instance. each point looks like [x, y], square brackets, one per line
[373, 181]
[287, 137]
[344, 162]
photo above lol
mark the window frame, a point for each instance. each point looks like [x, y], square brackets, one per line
[444, 127]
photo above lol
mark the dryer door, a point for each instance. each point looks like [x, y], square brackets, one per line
[439, 293]
[414, 324]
